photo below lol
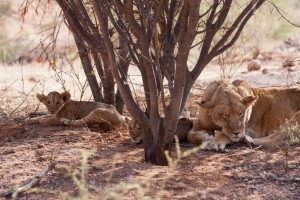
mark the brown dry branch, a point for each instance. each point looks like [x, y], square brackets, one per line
[176, 34]
[47, 46]
[59, 72]
[23, 93]
[24, 100]
[281, 13]
[14, 192]
[157, 37]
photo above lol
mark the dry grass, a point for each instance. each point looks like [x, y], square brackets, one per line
[242, 173]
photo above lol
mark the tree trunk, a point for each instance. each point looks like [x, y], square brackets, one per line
[88, 70]
[108, 83]
[155, 148]
[119, 102]
[124, 65]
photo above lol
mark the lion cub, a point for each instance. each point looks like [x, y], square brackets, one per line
[65, 111]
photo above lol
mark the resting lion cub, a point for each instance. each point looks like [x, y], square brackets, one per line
[65, 111]
[136, 133]
[234, 111]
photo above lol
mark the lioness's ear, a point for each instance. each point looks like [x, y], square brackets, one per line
[41, 97]
[206, 104]
[65, 96]
[240, 83]
[249, 100]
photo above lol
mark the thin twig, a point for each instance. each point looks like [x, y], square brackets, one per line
[14, 192]
[26, 96]
[280, 13]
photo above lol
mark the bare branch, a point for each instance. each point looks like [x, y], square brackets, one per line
[88, 70]
[123, 87]
[241, 27]
[280, 12]
[14, 193]
[136, 28]
[210, 33]
[76, 27]
[243, 17]
[180, 80]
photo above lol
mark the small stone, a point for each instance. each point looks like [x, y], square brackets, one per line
[254, 65]
[42, 158]
[98, 168]
[265, 71]
[39, 152]
[288, 63]
[8, 151]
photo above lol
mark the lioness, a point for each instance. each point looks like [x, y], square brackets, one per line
[236, 111]
[65, 111]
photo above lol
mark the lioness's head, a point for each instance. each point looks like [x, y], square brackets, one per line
[54, 101]
[230, 109]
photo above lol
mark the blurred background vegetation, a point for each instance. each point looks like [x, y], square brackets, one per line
[264, 31]
[268, 26]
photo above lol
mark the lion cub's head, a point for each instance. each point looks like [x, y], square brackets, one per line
[135, 131]
[54, 101]
[230, 109]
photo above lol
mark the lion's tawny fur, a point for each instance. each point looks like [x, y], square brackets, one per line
[63, 110]
[136, 133]
[237, 111]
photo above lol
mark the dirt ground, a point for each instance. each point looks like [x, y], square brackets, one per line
[117, 169]
[241, 173]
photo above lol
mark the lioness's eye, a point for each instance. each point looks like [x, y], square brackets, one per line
[57, 103]
[241, 114]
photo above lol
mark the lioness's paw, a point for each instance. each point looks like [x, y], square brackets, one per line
[31, 121]
[64, 121]
[213, 145]
[249, 139]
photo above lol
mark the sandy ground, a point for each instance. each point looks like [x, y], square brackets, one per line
[241, 173]
[117, 168]
[117, 165]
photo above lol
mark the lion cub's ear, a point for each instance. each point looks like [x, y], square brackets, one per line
[42, 98]
[249, 100]
[65, 96]
[206, 104]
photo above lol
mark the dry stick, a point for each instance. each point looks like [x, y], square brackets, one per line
[14, 193]
[26, 96]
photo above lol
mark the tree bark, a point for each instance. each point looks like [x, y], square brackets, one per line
[109, 82]
[88, 70]
[157, 37]
[123, 65]
[155, 148]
